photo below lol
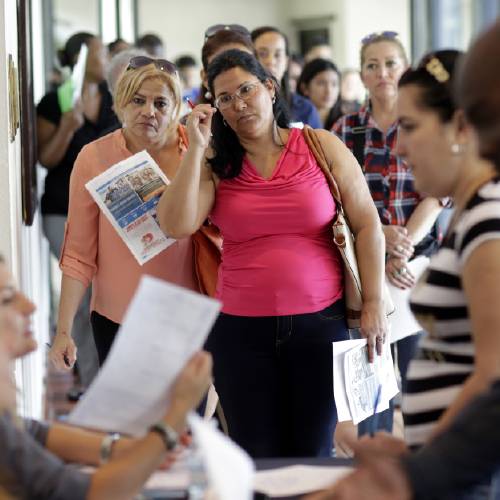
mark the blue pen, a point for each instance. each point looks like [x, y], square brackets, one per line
[374, 421]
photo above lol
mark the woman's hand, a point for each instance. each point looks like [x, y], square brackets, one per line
[199, 124]
[73, 119]
[397, 242]
[374, 326]
[63, 351]
[383, 479]
[398, 273]
[381, 444]
[192, 383]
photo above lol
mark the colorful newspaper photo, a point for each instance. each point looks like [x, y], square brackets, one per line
[128, 193]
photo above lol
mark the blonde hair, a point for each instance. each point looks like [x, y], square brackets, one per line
[132, 80]
[382, 37]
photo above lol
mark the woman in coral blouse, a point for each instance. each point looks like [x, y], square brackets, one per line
[147, 101]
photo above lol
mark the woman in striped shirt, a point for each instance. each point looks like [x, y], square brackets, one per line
[463, 280]
[455, 299]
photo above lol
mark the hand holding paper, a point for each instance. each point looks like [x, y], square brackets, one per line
[356, 381]
[128, 193]
[131, 390]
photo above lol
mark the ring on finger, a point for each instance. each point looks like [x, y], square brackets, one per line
[399, 248]
[396, 273]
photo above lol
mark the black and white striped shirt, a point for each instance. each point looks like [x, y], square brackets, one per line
[438, 301]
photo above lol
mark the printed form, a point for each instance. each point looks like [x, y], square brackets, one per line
[163, 327]
[356, 381]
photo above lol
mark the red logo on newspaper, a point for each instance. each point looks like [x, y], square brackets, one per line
[147, 239]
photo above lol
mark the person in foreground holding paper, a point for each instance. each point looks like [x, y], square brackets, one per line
[147, 101]
[281, 279]
[455, 151]
[33, 455]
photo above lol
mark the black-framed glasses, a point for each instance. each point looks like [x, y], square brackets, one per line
[237, 28]
[244, 93]
[161, 64]
[387, 35]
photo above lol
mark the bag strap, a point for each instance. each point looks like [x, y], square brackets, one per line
[324, 163]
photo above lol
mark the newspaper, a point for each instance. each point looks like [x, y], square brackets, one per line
[128, 193]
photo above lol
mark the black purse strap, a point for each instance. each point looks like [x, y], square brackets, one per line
[359, 141]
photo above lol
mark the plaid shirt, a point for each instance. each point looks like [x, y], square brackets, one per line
[389, 178]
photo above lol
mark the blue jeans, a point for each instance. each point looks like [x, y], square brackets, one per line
[274, 379]
[403, 351]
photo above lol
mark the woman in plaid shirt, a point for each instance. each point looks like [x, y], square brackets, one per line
[408, 219]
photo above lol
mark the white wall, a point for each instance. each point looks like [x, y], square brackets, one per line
[354, 19]
[181, 25]
[367, 16]
[72, 16]
[20, 245]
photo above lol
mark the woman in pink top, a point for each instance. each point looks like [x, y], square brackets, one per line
[148, 103]
[280, 281]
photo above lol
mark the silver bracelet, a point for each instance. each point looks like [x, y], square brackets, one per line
[107, 447]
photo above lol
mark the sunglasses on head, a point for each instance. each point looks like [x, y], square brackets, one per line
[389, 35]
[237, 28]
[161, 64]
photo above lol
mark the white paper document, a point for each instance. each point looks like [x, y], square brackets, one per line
[356, 381]
[297, 479]
[229, 469]
[339, 386]
[163, 327]
[128, 193]
[402, 321]
[78, 73]
[175, 478]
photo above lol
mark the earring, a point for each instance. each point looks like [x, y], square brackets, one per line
[456, 149]
[208, 95]
[273, 99]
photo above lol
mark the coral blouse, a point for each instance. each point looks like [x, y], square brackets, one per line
[92, 250]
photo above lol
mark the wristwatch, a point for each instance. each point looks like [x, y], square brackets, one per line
[107, 447]
[169, 436]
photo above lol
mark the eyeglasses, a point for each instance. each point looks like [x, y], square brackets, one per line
[387, 35]
[237, 28]
[161, 64]
[245, 93]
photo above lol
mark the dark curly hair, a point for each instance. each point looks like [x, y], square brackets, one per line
[228, 150]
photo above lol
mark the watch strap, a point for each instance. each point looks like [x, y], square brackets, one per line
[168, 434]
[107, 447]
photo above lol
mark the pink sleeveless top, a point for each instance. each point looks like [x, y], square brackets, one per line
[278, 256]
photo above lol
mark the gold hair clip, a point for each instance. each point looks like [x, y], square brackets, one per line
[437, 70]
